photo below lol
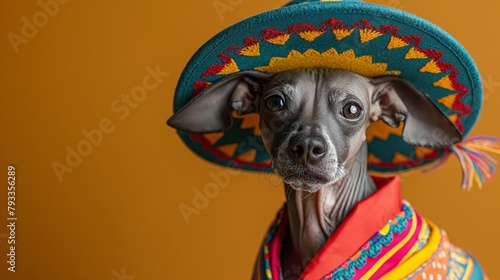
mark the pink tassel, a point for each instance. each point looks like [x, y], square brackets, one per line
[478, 167]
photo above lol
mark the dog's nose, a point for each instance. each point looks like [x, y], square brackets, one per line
[307, 149]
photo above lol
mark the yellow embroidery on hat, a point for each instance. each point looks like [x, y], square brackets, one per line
[382, 131]
[413, 53]
[253, 50]
[342, 33]
[329, 59]
[249, 121]
[310, 35]
[400, 158]
[279, 40]
[444, 82]
[248, 156]
[229, 149]
[366, 35]
[431, 67]
[214, 137]
[267, 161]
[373, 160]
[448, 100]
[453, 118]
[423, 152]
[396, 42]
[230, 68]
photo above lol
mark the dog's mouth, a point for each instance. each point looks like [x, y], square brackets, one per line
[308, 178]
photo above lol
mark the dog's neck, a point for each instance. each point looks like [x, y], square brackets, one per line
[315, 216]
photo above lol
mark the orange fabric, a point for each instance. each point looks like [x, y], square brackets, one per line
[439, 263]
[367, 217]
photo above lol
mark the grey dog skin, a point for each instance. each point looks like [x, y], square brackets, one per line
[313, 124]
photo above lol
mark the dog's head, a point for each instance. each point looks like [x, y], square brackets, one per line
[313, 121]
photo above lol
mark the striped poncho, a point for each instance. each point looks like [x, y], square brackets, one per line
[382, 238]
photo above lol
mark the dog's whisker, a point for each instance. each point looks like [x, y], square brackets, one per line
[309, 195]
[289, 193]
[272, 179]
[262, 179]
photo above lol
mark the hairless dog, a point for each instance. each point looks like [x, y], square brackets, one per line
[313, 124]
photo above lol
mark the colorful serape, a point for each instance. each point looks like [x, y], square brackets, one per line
[405, 246]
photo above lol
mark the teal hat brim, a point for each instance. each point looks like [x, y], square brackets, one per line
[394, 41]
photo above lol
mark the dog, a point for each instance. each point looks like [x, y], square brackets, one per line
[313, 124]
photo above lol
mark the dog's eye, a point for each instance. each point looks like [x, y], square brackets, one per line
[351, 111]
[275, 103]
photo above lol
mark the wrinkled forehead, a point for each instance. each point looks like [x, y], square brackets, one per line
[336, 83]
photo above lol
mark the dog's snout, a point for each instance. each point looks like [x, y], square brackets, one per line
[307, 149]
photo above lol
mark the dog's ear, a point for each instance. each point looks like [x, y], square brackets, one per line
[210, 111]
[395, 100]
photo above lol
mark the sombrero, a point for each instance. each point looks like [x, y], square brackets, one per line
[368, 39]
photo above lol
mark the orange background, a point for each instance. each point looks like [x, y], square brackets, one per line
[118, 208]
